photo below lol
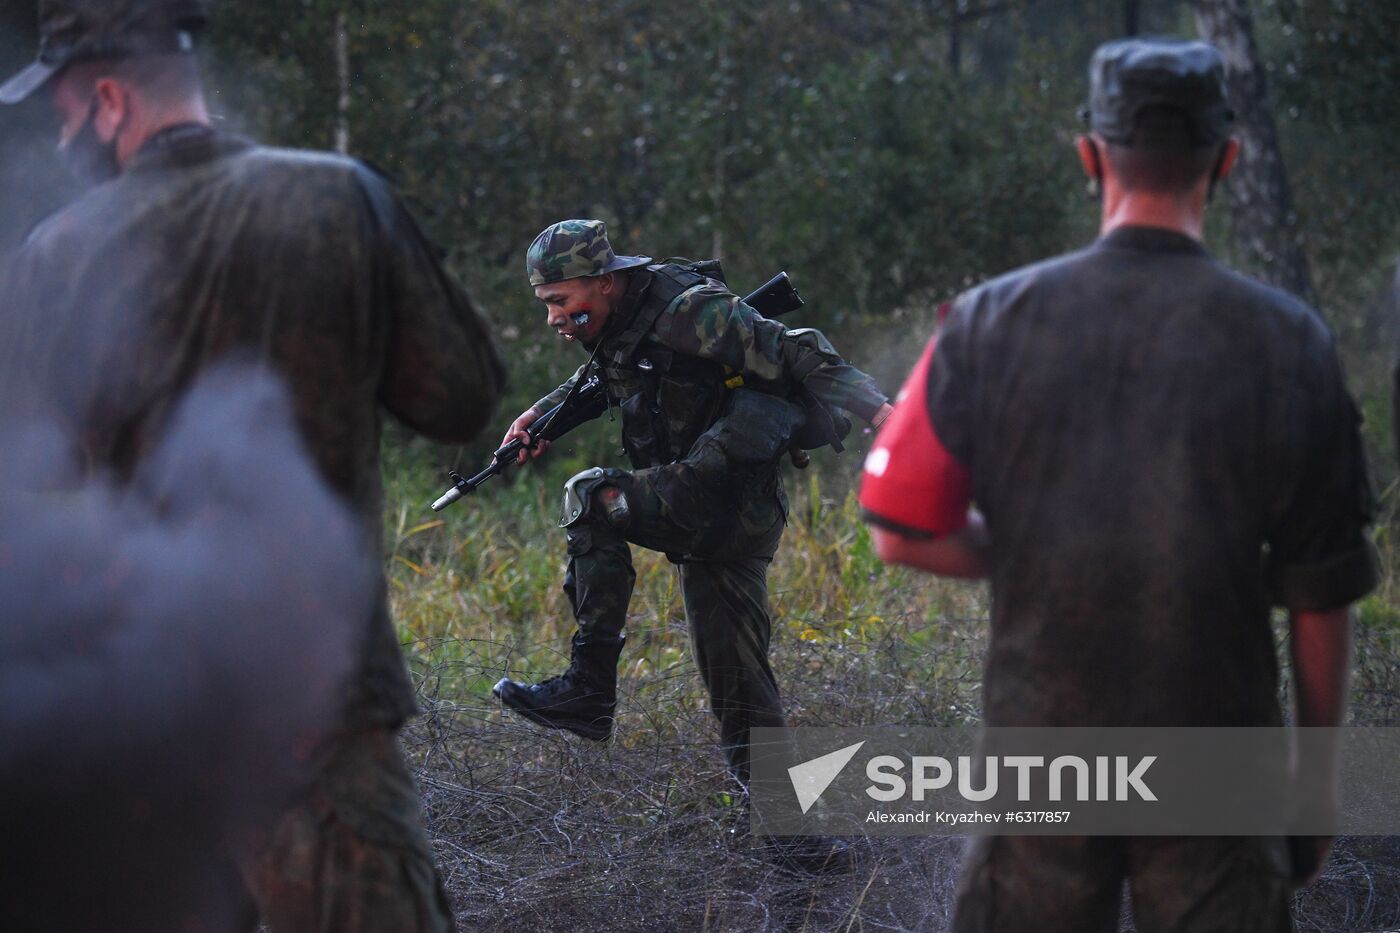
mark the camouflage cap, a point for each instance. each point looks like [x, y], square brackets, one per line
[573, 249]
[1129, 75]
[75, 30]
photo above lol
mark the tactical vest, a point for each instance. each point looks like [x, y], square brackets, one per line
[667, 399]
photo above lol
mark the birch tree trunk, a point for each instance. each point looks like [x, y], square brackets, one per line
[1130, 17]
[342, 79]
[1267, 239]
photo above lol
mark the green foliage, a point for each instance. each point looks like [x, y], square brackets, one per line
[1379, 617]
[776, 134]
[856, 144]
[1335, 73]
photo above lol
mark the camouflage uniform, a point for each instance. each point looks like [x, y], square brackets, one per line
[702, 383]
[208, 245]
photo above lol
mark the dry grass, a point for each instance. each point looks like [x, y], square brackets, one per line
[541, 830]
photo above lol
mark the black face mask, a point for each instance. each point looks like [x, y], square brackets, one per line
[85, 155]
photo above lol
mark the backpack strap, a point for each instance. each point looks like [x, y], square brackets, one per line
[670, 284]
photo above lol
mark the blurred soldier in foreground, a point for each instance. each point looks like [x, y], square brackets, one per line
[192, 244]
[153, 703]
[1160, 449]
[703, 384]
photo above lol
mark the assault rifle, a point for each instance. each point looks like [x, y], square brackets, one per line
[588, 399]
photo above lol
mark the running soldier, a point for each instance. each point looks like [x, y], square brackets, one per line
[704, 387]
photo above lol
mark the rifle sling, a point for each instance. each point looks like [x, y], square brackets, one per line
[670, 284]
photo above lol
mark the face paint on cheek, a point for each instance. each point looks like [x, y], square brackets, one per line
[580, 318]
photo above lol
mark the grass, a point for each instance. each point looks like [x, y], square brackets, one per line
[543, 830]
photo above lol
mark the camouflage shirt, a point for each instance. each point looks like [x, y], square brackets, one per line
[710, 448]
[713, 324]
[677, 390]
[209, 244]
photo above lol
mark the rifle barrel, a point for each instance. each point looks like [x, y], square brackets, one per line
[447, 498]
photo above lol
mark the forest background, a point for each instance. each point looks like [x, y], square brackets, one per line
[887, 154]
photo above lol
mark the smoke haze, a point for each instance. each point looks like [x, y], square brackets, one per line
[172, 653]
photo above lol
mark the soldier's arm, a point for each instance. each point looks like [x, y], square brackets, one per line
[519, 428]
[13, 313]
[29, 323]
[714, 324]
[916, 493]
[1320, 562]
[444, 373]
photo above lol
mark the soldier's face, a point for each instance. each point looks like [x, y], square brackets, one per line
[577, 309]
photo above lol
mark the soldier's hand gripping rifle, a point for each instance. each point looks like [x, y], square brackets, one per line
[588, 399]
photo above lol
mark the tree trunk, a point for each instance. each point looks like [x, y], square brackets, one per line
[342, 79]
[717, 194]
[955, 23]
[725, 93]
[1130, 17]
[1268, 242]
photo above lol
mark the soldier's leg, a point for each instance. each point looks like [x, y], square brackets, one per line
[726, 603]
[1206, 883]
[1054, 884]
[353, 857]
[598, 583]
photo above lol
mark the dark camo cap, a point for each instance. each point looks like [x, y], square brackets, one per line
[573, 249]
[1128, 75]
[75, 30]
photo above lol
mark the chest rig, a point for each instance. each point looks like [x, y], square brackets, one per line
[667, 399]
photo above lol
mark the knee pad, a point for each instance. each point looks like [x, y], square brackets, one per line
[588, 496]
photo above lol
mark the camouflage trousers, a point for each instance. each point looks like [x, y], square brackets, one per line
[723, 567]
[1074, 884]
[353, 857]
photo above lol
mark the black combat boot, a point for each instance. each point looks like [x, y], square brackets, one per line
[810, 854]
[581, 699]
